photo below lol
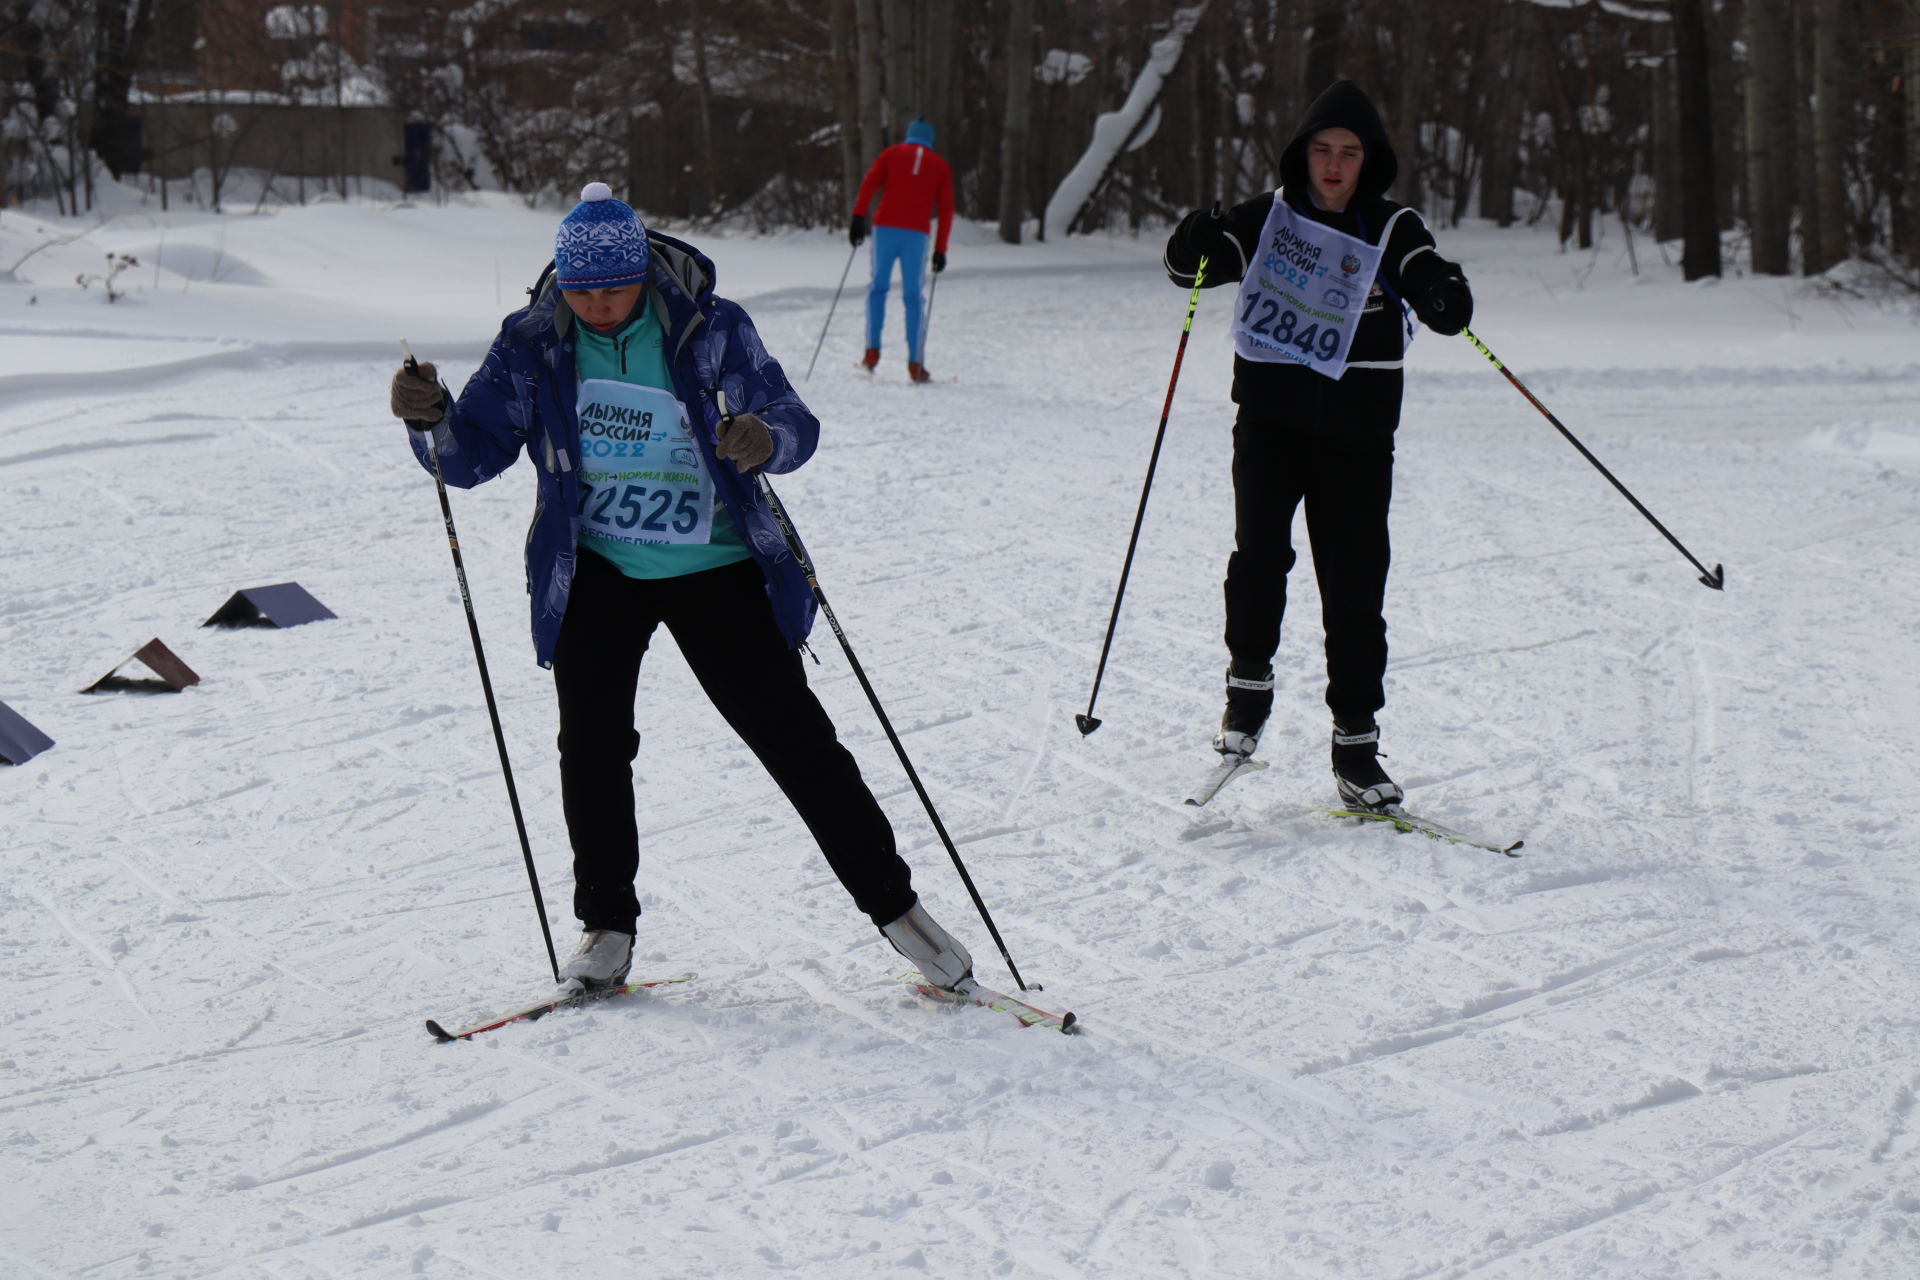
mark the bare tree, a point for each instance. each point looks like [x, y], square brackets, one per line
[1014, 127]
[902, 93]
[1701, 256]
[1411, 40]
[703, 101]
[1912, 78]
[122, 31]
[1505, 109]
[846, 98]
[1769, 140]
[1829, 132]
[1806, 164]
[936, 64]
[866, 28]
[1324, 47]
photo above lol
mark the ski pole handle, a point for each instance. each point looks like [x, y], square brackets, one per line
[413, 367]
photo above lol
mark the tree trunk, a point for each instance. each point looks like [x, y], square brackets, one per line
[1806, 164]
[846, 99]
[1405, 126]
[1665, 147]
[1323, 48]
[1723, 73]
[1769, 143]
[1014, 130]
[1701, 255]
[1913, 139]
[1287, 60]
[1199, 80]
[1830, 133]
[1506, 107]
[903, 95]
[937, 63]
[120, 47]
[705, 180]
[866, 29]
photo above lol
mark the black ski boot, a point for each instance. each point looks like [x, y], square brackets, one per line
[1356, 766]
[1248, 702]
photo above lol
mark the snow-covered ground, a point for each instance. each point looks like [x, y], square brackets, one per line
[1678, 1039]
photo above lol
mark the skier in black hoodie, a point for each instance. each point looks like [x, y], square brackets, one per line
[1328, 267]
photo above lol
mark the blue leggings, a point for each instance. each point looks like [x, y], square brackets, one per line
[909, 249]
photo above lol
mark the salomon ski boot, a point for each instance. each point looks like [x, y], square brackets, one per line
[871, 360]
[942, 961]
[1248, 702]
[601, 960]
[918, 372]
[1356, 766]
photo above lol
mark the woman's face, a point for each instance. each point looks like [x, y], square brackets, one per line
[604, 309]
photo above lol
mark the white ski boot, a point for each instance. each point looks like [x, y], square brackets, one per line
[941, 960]
[601, 960]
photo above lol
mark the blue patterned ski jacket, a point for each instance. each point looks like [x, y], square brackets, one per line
[523, 397]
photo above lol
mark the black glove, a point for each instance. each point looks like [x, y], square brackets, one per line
[857, 230]
[1203, 234]
[415, 394]
[1447, 305]
[939, 263]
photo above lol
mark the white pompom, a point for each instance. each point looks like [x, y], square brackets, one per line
[595, 191]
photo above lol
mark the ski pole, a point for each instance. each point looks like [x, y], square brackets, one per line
[926, 324]
[1717, 579]
[1087, 723]
[860, 674]
[830, 309]
[486, 684]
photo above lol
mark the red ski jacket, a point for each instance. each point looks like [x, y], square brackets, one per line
[913, 181]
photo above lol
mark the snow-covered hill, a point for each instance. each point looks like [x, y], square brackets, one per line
[1677, 1039]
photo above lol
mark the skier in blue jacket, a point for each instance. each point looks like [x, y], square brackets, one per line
[611, 382]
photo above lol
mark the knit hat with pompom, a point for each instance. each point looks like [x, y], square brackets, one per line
[601, 244]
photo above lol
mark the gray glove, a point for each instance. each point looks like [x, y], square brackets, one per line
[745, 440]
[416, 393]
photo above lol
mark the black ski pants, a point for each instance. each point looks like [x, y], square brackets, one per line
[1345, 480]
[725, 628]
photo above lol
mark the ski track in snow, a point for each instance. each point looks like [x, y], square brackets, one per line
[1677, 1038]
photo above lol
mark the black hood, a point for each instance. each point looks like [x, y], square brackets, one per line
[1343, 106]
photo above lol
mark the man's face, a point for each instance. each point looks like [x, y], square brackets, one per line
[1334, 158]
[604, 309]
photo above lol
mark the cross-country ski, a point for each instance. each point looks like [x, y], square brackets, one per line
[1401, 820]
[539, 1009]
[1219, 775]
[967, 991]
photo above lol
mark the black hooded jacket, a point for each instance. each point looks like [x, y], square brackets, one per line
[1411, 269]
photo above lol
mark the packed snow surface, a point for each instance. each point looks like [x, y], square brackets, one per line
[1677, 1040]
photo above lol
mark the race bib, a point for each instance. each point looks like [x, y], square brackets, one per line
[642, 480]
[1304, 293]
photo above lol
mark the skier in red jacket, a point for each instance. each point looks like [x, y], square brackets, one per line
[913, 182]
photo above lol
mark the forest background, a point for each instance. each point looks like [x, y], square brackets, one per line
[1778, 135]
